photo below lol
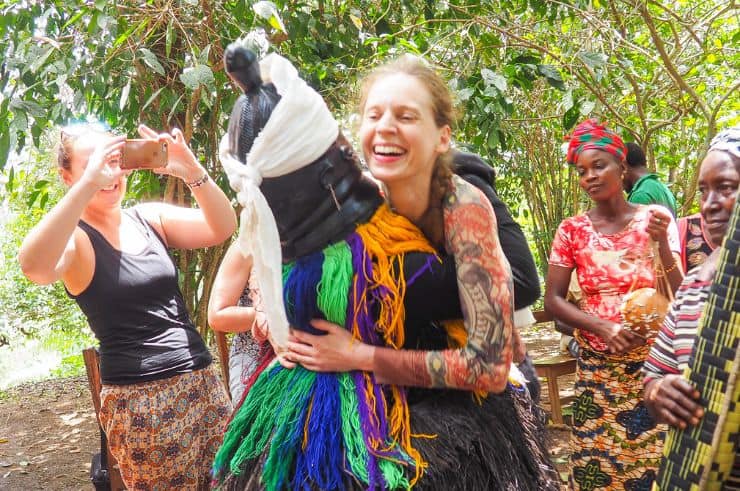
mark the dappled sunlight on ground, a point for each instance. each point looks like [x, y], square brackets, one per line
[542, 340]
[48, 433]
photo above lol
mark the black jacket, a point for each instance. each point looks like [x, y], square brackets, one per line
[526, 279]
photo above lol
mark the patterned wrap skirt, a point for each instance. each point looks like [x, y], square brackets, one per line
[165, 433]
[616, 444]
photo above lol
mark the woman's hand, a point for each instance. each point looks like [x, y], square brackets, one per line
[674, 401]
[620, 340]
[281, 353]
[335, 351]
[181, 161]
[657, 226]
[103, 167]
[261, 332]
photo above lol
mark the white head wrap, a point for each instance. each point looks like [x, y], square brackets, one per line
[299, 131]
[727, 141]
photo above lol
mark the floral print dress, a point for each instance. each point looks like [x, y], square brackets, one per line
[616, 444]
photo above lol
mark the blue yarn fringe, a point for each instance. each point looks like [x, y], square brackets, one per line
[300, 292]
[321, 464]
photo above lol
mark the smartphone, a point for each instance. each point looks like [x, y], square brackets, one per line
[144, 154]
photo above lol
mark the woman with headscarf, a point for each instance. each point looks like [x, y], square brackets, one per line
[612, 248]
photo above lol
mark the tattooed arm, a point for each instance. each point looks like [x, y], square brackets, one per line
[485, 285]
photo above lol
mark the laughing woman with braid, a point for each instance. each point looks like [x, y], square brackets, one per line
[406, 117]
[616, 445]
[405, 133]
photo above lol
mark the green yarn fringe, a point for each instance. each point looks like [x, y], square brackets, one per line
[336, 281]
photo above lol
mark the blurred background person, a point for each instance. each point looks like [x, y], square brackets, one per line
[643, 186]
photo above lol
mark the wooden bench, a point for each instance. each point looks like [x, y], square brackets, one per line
[92, 364]
[551, 368]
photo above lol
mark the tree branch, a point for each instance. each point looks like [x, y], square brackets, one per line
[681, 21]
[722, 100]
[668, 63]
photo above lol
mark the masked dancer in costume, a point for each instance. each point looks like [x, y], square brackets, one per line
[348, 259]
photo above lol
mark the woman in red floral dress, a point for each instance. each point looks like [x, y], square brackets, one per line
[612, 248]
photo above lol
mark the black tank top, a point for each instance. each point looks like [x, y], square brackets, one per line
[135, 308]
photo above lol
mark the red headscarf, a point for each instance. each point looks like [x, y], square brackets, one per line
[589, 135]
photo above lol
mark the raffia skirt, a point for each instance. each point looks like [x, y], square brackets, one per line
[493, 444]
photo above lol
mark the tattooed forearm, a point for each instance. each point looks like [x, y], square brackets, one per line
[483, 318]
[485, 288]
[485, 285]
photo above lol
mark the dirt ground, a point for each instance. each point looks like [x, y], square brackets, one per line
[542, 342]
[48, 431]
[48, 435]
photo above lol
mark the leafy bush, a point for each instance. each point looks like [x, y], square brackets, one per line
[30, 311]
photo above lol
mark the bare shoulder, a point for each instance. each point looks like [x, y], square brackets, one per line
[152, 213]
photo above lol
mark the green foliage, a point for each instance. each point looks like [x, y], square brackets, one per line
[26, 307]
[42, 317]
[71, 366]
[525, 72]
[70, 345]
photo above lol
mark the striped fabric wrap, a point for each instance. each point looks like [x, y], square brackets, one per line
[292, 419]
[671, 351]
[702, 457]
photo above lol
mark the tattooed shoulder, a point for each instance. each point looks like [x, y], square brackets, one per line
[462, 193]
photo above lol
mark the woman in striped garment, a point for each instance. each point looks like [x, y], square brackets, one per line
[668, 396]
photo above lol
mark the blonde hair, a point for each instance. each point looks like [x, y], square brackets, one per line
[68, 135]
[443, 109]
[414, 66]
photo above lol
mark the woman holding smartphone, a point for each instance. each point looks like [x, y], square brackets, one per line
[162, 406]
